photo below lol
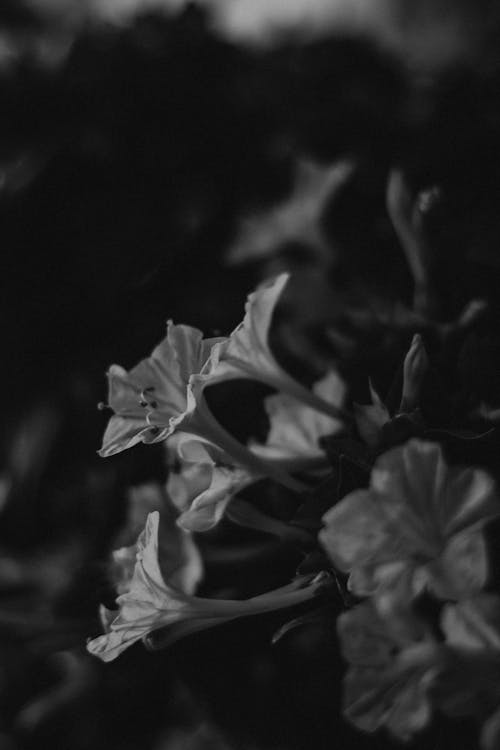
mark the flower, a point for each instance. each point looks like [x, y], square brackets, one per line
[418, 525]
[470, 684]
[372, 419]
[156, 399]
[393, 665]
[148, 401]
[297, 220]
[178, 555]
[247, 353]
[295, 428]
[152, 602]
[415, 367]
[205, 483]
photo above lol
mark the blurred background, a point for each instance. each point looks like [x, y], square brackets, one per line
[157, 159]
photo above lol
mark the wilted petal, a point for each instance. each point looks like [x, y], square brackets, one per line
[296, 429]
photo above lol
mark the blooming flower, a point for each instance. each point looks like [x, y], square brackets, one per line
[178, 555]
[208, 477]
[392, 668]
[155, 399]
[418, 525]
[153, 602]
[148, 401]
[247, 353]
[205, 483]
[295, 428]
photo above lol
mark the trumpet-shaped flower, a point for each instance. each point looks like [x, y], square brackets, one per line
[393, 665]
[296, 429]
[178, 555]
[418, 524]
[205, 483]
[155, 399]
[153, 602]
[148, 400]
[247, 352]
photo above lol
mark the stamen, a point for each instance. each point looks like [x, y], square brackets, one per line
[145, 400]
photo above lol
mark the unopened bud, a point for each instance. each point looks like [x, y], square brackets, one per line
[416, 365]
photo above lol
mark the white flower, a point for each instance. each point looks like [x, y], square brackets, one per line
[149, 400]
[247, 353]
[419, 522]
[298, 220]
[153, 602]
[205, 483]
[296, 429]
[178, 556]
[156, 399]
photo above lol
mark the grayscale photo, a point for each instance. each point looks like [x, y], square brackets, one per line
[250, 322]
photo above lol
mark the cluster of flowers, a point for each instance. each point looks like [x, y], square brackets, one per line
[415, 535]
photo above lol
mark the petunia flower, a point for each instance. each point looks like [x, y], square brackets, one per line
[296, 429]
[392, 666]
[418, 525]
[156, 387]
[153, 602]
[247, 353]
[205, 482]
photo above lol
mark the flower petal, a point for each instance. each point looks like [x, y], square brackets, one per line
[356, 532]
[295, 428]
[473, 623]
[149, 400]
[247, 353]
[207, 509]
[462, 569]
[124, 432]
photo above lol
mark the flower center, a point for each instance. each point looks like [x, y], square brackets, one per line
[145, 398]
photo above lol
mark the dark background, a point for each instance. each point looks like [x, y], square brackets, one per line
[125, 168]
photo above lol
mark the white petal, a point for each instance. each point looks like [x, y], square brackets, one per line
[295, 429]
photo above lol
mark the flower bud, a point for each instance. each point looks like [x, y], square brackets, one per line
[415, 366]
